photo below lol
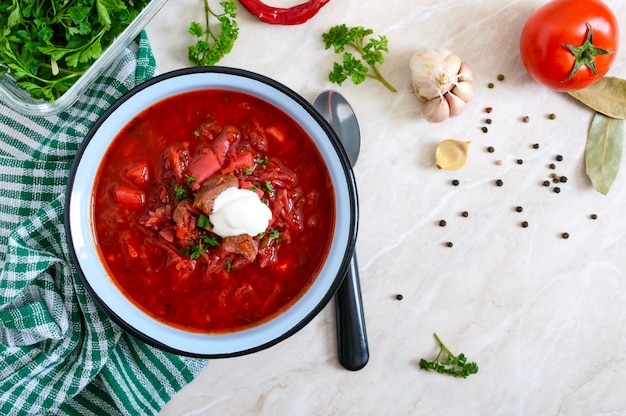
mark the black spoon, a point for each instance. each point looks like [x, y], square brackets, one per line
[352, 346]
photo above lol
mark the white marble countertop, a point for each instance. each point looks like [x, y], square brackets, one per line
[543, 317]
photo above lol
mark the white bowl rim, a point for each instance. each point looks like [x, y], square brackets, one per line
[124, 312]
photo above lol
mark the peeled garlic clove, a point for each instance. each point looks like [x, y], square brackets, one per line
[456, 104]
[451, 154]
[436, 110]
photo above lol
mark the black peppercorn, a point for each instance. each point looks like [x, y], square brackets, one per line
[563, 179]
[488, 121]
[449, 244]
[536, 146]
[455, 182]
[485, 129]
[490, 149]
[442, 223]
[525, 224]
[552, 116]
[559, 158]
[399, 297]
[594, 217]
[520, 162]
[557, 189]
[552, 166]
[500, 77]
[499, 182]
[565, 235]
[546, 183]
[519, 209]
[465, 214]
[490, 85]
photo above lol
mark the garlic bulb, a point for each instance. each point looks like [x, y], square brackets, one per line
[442, 81]
[451, 154]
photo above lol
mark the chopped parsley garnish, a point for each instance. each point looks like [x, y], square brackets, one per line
[203, 221]
[263, 161]
[269, 235]
[180, 192]
[268, 188]
[190, 179]
[272, 234]
[194, 251]
[248, 171]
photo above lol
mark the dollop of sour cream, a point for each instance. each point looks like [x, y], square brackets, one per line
[239, 211]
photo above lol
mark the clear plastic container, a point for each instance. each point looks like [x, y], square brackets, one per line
[20, 100]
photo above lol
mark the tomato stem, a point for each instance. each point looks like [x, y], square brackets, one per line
[585, 54]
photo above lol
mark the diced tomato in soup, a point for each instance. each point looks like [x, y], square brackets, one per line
[159, 247]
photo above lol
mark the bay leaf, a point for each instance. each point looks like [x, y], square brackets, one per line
[603, 151]
[607, 96]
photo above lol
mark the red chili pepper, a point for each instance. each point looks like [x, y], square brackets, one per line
[283, 16]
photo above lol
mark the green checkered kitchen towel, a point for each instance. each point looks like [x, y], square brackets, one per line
[59, 353]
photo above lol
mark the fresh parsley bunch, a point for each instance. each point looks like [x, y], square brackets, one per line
[211, 48]
[447, 363]
[46, 45]
[356, 68]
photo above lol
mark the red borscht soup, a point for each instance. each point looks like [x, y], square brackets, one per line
[150, 202]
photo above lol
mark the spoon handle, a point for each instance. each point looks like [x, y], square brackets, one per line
[353, 350]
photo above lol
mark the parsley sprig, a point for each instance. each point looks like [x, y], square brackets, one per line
[210, 47]
[447, 363]
[371, 53]
[46, 46]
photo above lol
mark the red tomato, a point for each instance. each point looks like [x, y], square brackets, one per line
[562, 29]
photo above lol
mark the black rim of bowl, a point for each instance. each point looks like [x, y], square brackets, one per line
[330, 133]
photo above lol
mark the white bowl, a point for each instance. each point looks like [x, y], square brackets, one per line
[78, 214]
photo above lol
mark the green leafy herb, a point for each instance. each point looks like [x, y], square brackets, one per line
[248, 171]
[356, 68]
[190, 179]
[208, 241]
[607, 96]
[447, 363]
[229, 264]
[272, 234]
[266, 237]
[46, 46]
[194, 251]
[211, 48]
[268, 188]
[203, 221]
[263, 161]
[603, 151]
[180, 192]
